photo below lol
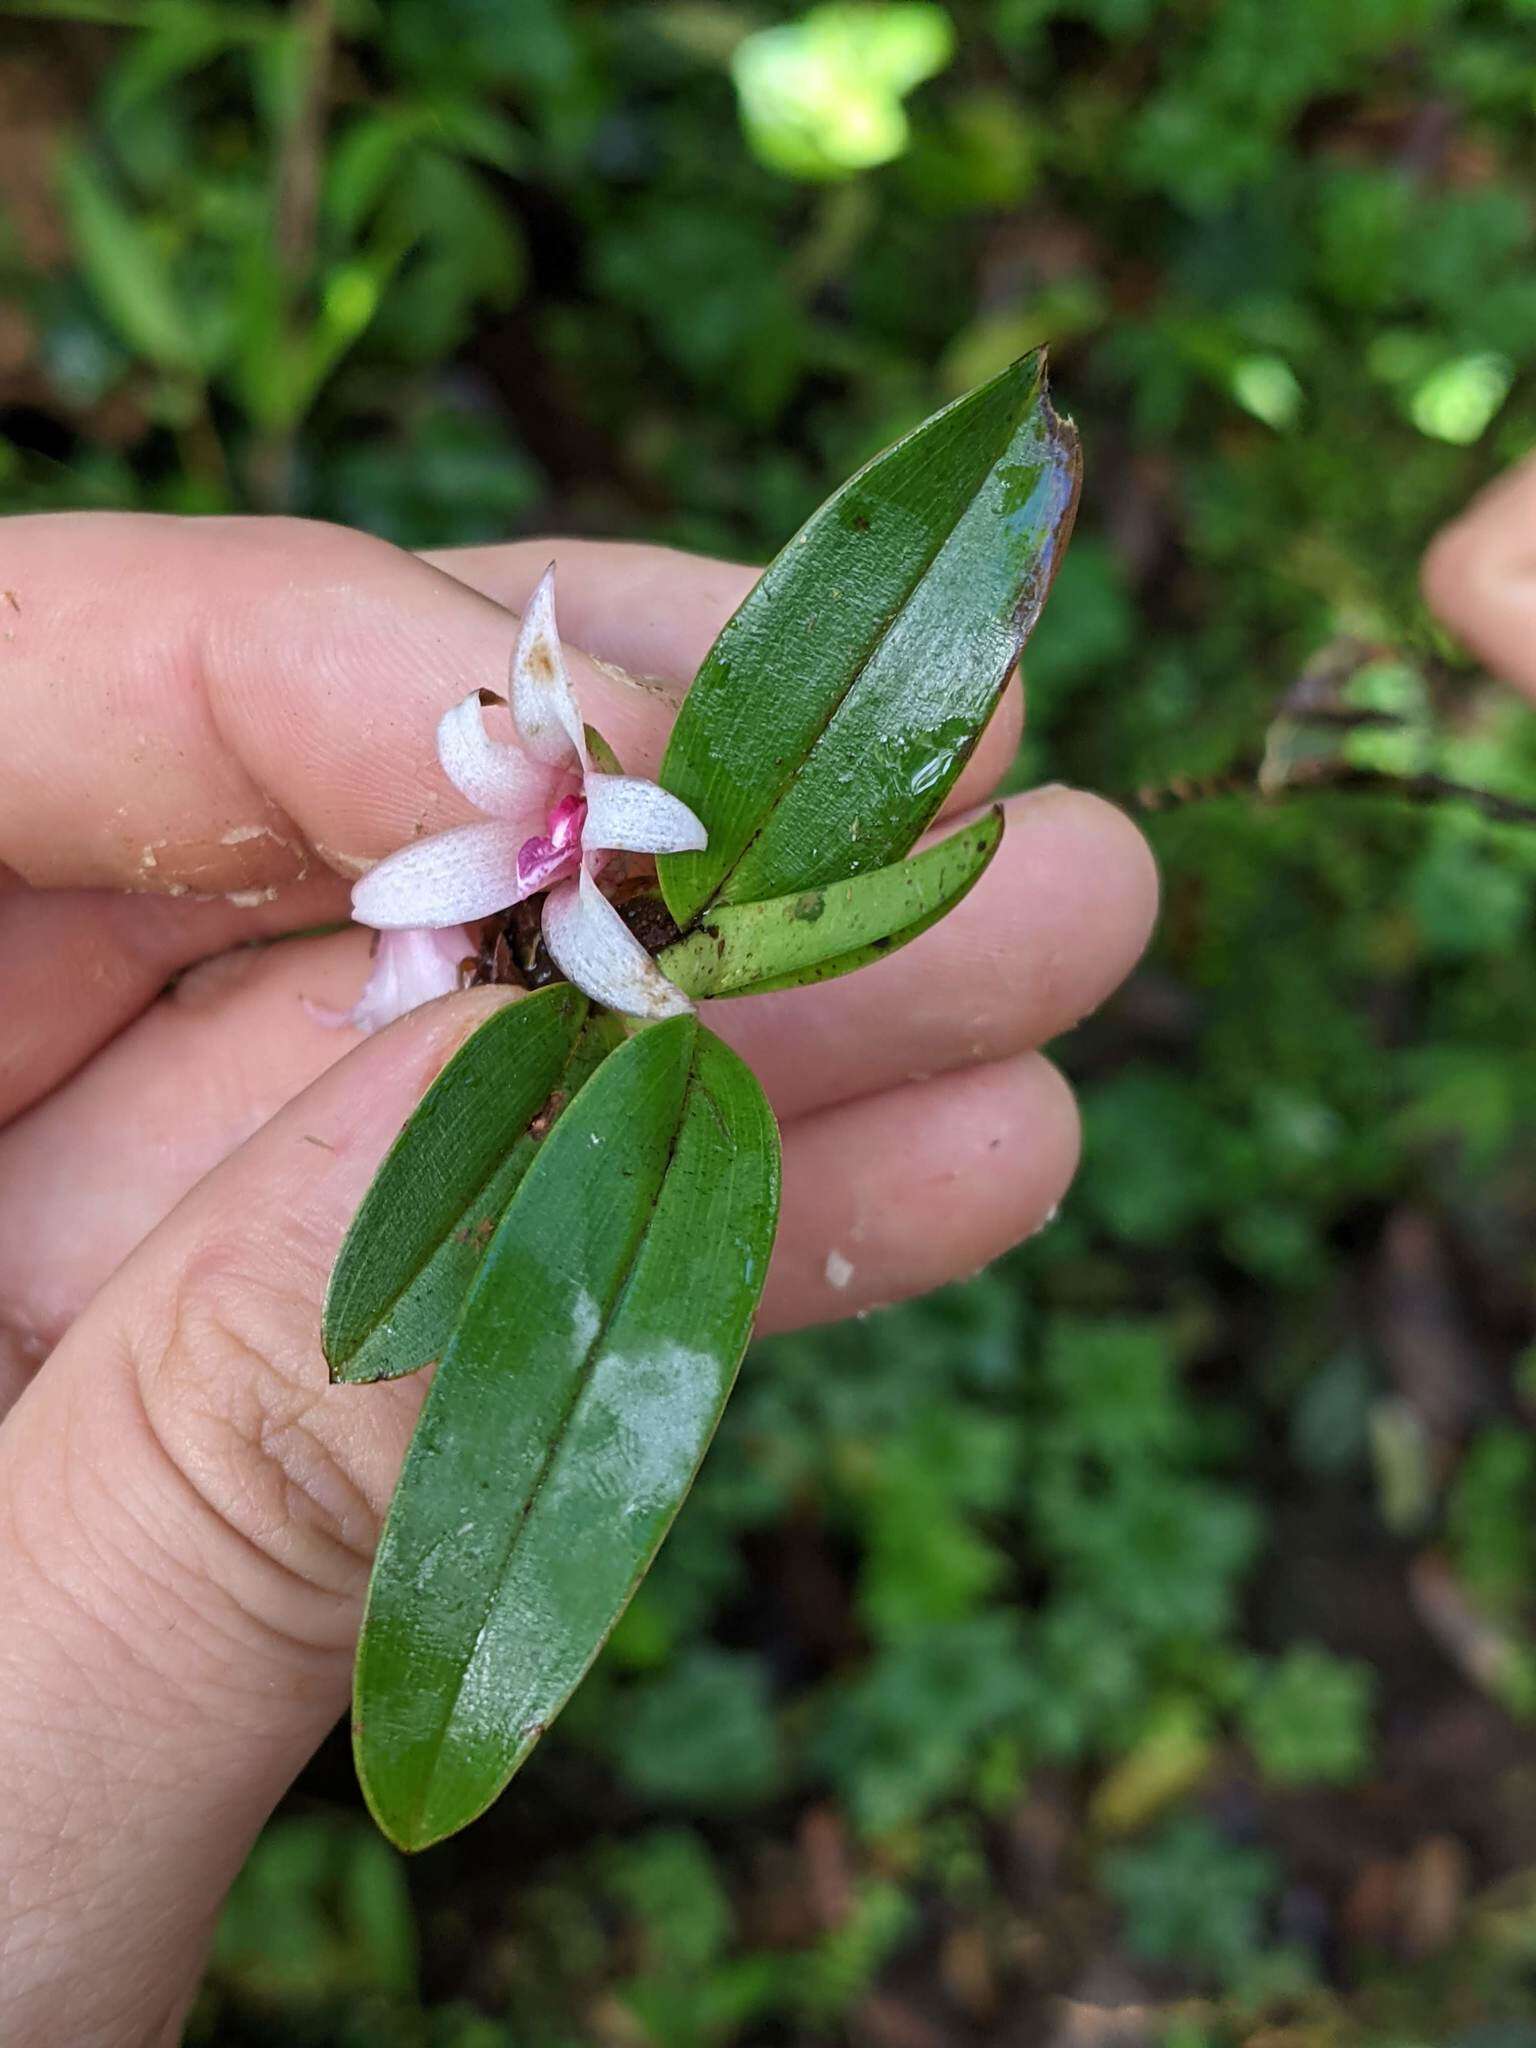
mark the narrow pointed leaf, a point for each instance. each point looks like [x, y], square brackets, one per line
[841, 701]
[566, 1421]
[748, 948]
[126, 270]
[417, 1240]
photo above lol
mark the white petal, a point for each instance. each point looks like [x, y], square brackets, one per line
[451, 878]
[591, 943]
[543, 709]
[628, 815]
[494, 775]
[409, 968]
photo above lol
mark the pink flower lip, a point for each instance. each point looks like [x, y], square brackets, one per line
[541, 859]
[566, 821]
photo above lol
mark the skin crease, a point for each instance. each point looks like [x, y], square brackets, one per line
[187, 1509]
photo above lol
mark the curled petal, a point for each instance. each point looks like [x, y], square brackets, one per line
[409, 968]
[544, 712]
[591, 943]
[496, 776]
[451, 878]
[627, 815]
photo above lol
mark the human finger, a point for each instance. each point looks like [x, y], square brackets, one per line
[1053, 926]
[1479, 576]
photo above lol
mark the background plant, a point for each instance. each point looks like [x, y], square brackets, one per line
[1150, 1619]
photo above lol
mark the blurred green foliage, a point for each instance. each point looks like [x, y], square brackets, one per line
[1148, 1605]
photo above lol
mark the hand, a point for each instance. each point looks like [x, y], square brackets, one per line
[1480, 576]
[204, 727]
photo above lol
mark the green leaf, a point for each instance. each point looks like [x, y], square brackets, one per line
[417, 1241]
[814, 934]
[364, 161]
[841, 701]
[125, 270]
[565, 1424]
[604, 759]
[821, 96]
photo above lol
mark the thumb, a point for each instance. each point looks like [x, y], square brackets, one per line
[1479, 576]
[187, 1514]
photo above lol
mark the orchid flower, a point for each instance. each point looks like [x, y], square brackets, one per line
[552, 820]
[409, 968]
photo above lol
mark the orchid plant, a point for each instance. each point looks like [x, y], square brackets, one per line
[575, 1225]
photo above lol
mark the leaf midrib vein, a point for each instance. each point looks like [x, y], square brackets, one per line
[426, 1259]
[580, 1380]
[790, 774]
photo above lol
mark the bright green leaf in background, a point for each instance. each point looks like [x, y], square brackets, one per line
[1456, 402]
[821, 97]
[1266, 387]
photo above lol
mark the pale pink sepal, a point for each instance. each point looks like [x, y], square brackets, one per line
[409, 968]
[626, 815]
[591, 944]
[544, 712]
[452, 878]
[496, 776]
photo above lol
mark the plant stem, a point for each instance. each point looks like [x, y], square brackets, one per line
[1324, 777]
[295, 207]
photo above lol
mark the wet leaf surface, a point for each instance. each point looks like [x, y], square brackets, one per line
[814, 934]
[843, 698]
[423, 1227]
[565, 1423]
